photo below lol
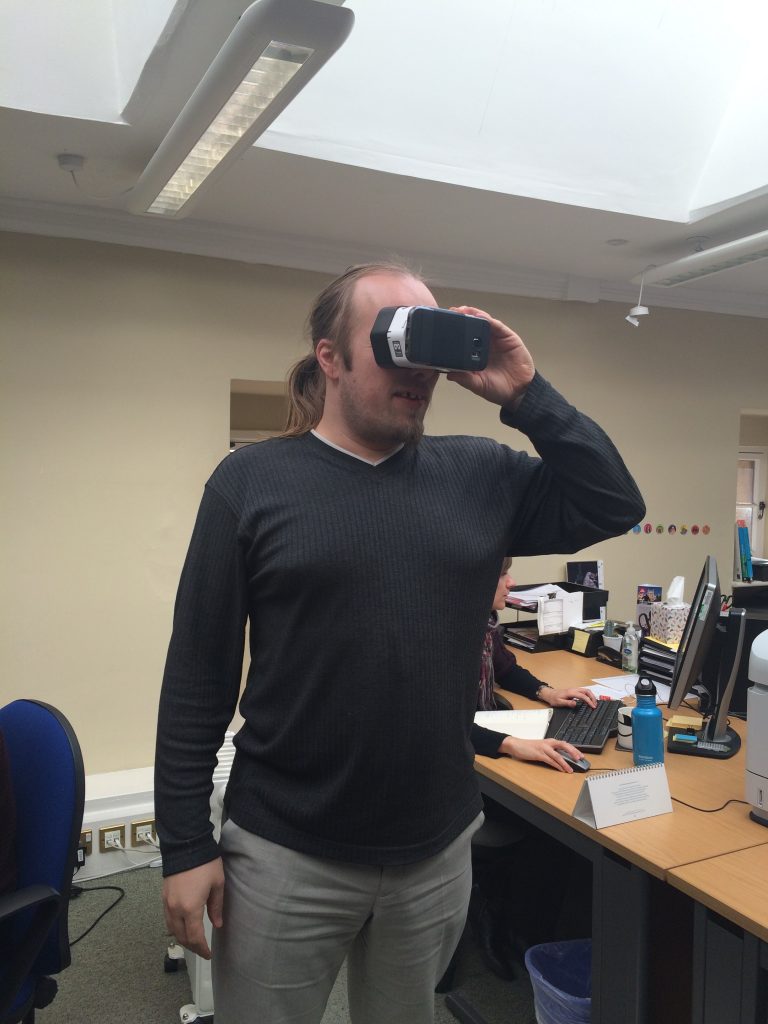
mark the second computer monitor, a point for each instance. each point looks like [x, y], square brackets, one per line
[696, 641]
[712, 645]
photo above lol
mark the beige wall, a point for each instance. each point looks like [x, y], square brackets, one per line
[115, 408]
[754, 431]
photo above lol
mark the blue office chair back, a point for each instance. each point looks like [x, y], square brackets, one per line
[48, 783]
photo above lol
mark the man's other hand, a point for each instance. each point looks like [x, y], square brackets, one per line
[185, 896]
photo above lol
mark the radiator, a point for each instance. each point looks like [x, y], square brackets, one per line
[199, 970]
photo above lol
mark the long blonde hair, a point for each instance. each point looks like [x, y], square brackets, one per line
[330, 317]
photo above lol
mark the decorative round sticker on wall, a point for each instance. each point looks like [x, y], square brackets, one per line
[672, 529]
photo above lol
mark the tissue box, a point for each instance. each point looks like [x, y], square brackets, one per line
[668, 621]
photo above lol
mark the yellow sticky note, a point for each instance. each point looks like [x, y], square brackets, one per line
[580, 640]
[685, 722]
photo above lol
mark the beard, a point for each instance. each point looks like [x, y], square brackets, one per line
[377, 433]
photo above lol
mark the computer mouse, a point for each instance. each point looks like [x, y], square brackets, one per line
[502, 704]
[582, 765]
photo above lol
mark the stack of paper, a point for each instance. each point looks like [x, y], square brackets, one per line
[657, 659]
[523, 725]
[619, 687]
[556, 609]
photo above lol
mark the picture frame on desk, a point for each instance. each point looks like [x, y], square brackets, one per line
[648, 593]
[586, 574]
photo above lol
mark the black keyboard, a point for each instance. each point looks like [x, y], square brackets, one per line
[585, 727]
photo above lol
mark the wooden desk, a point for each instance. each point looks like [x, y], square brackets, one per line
[730, 963]
[654, 844]
[734, 886]
[629, 861]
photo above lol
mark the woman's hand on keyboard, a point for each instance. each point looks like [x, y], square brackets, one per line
[567, 698]
[546, 751]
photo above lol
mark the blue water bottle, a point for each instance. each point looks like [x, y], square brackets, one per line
[647, 728]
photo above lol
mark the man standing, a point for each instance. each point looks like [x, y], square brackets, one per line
[352, 799]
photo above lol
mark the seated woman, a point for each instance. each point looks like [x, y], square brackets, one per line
[555, 901]
[499, 667]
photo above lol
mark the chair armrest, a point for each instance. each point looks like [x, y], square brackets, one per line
[30, 896]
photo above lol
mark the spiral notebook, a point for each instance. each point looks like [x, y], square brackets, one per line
[627, 795]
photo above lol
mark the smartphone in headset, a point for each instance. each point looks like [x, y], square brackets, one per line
[425, 336]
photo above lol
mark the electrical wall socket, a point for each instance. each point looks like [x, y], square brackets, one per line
[107, 836]
[86, 841]
[141, 830]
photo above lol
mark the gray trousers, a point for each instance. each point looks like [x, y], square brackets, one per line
[291, 919]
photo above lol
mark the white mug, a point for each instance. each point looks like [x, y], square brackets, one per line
[624, 738]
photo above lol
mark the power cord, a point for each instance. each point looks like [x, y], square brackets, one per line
[72, 163]
[711, 810]
[78, 890]
[693, 807]
[152, 840]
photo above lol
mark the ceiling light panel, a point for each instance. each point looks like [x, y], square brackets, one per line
[269, 75]
[275, 48]
[709, 261]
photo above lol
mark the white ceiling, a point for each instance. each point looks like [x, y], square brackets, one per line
[502, 143]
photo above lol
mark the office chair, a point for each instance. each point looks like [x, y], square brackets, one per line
[48, 787]
[492, 843]
[500, 844]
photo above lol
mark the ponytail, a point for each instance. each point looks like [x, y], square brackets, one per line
[306, 396]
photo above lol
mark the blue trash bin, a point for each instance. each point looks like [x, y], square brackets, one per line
[561, 976]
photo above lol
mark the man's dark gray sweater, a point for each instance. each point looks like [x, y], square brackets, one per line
[367, 589]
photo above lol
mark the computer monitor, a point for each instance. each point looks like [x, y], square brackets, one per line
[711, 647]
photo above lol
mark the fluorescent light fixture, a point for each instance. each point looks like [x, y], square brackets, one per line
[709, 261]
[270, 55]
[269, 75]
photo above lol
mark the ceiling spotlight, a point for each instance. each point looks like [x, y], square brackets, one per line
[639, 309]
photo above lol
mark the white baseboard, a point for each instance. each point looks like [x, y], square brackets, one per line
[117, 798]
[120, 798]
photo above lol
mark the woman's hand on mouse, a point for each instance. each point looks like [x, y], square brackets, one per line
[546, 751]
[567, 698]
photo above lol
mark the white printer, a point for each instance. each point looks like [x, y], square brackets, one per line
[757, 739]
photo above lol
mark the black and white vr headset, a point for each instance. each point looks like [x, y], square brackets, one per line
[436, 338]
